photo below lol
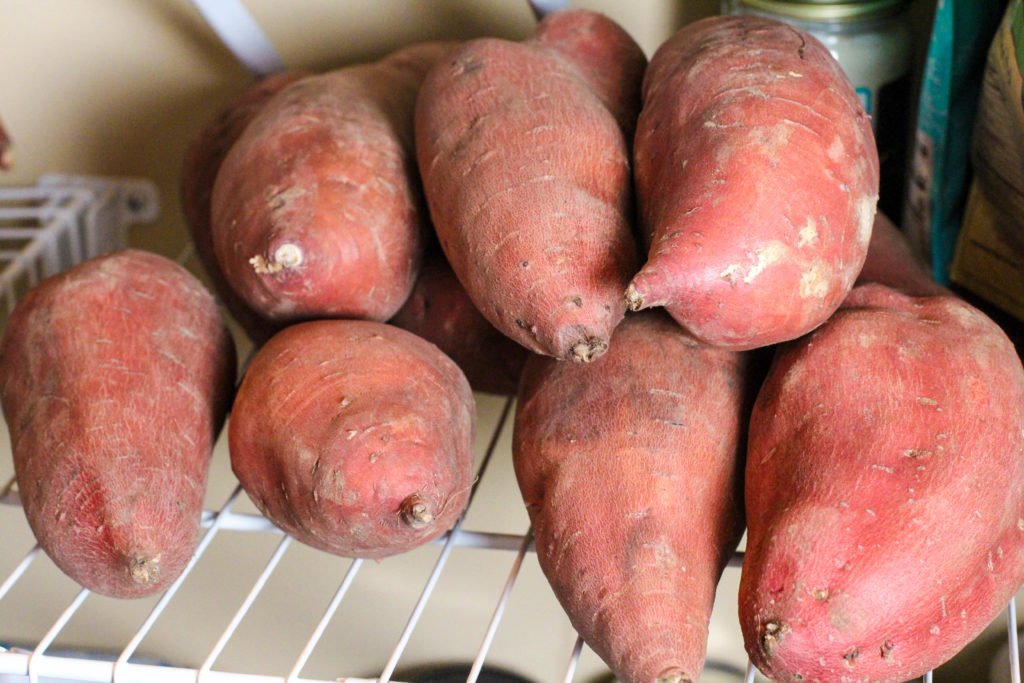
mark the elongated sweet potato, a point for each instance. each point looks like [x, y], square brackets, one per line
[203, 157]
[631, 470]
[523, 149]
[440, 311]
[354, 436]
[115, 378]
[317, 209]
[884, 491]
[756, 178]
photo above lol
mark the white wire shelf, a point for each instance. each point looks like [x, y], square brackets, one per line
[478, 587]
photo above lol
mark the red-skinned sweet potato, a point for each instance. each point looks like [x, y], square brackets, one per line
[756, 178]
[354, 437]
[631, 470]
[884, 491]
[440, 311]
[203, 157]
[891, 261]
[317, 209]
[524, 153]
[116, 378]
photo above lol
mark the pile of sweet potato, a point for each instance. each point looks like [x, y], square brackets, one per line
[496, 216]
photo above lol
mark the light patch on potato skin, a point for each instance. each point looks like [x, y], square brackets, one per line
[808, 233]
[816, 281]
[865, 211]
[764, 257]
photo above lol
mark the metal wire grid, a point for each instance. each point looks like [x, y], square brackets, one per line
[61, 221]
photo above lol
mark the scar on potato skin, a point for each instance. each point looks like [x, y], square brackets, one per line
[144, 570]
[467, 65]
[773, 632]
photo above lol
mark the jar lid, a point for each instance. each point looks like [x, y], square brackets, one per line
[827, 10]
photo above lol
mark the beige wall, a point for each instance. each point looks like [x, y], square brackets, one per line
[117, 87]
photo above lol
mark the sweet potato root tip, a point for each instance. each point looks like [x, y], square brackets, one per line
[143, 569]
[415, 512]
[589, 349]
[634, 299]
[674, 676]
[287, 255]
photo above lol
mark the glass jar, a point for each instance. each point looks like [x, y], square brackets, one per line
[872, 42]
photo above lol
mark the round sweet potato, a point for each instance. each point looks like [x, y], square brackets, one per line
[354, 437]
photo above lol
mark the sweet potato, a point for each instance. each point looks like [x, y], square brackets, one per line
[891, 261]
[884, 491]
[440, 311]
[317, 209]
[115, 378]
[523, 149]
[203, 157]
[631, 470]
[354, 437]
[756, 179]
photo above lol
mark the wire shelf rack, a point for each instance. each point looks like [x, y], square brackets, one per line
[52, 631]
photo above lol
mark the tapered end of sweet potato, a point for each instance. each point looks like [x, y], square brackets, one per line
[588, 349]
[415, 511]
[652, 287]
[634, 299]
[144, 569]
[674, 676]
